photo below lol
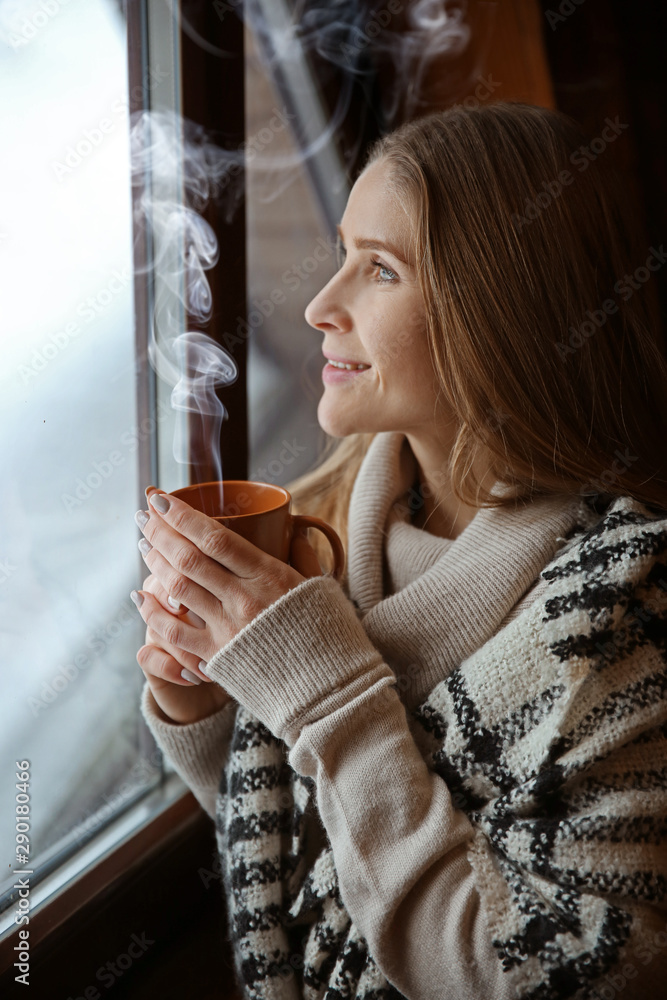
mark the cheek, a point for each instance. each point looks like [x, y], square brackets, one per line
[406, 353]
[392, 345]
[413, 368]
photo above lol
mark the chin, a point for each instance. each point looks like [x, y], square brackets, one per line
[336, 428]
[336, 423]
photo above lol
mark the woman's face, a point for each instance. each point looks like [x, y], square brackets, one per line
[372, 315]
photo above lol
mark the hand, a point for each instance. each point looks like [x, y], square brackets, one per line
[180, 700]
[223, 578]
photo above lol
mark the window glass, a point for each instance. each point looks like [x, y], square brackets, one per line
[69, 433]
[291, 255]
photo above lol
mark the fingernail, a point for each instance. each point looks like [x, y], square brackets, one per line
[160, 502]
[176, 605]
[188, 676]
[137, 598]
[144, 546]
[200, 668]
[141, 517]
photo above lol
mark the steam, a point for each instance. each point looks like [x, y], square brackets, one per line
[184, 169]
[354, 37]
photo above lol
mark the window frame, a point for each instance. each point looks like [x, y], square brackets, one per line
[170, 812]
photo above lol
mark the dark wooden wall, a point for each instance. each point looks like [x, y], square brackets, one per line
[607, 59]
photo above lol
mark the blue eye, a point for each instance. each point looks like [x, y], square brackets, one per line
[386, 275]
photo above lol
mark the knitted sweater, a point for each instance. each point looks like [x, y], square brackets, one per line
[449, 783]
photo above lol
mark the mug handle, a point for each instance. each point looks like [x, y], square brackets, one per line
[307, 521]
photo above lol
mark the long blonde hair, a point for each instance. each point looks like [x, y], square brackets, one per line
[553, 362]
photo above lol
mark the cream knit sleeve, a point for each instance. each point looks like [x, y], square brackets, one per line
[197, 751]
[307, 670]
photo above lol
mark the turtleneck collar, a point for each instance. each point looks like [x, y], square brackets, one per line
[451, 594]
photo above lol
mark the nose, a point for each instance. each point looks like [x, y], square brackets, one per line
[327, 312]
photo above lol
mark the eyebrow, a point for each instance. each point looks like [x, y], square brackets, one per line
[366, 244]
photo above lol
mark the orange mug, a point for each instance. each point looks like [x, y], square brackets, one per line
[259, 512]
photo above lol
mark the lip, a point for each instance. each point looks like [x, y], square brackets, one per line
[331, 375]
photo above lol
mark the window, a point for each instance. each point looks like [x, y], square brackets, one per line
[71, 431]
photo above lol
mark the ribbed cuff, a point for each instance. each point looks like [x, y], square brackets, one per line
[197, 750]
[301, 658]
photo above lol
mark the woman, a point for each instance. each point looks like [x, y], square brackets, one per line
[446, 778]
